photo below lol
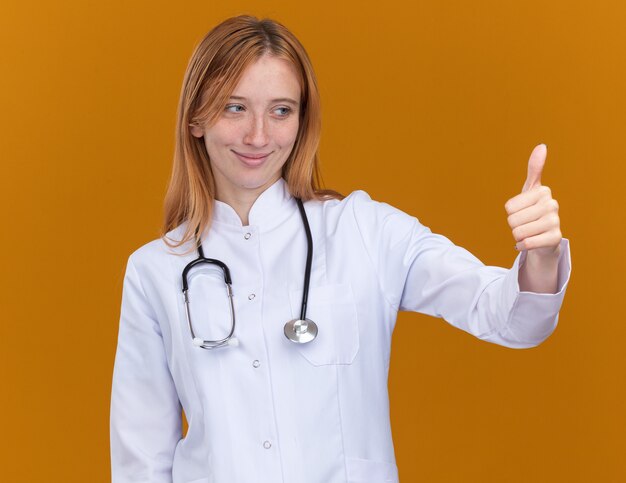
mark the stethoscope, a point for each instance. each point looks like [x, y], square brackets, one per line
[300, 330]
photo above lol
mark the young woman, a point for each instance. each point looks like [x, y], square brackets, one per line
[266, 310]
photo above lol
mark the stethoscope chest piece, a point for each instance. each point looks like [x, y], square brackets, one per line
[301, 331]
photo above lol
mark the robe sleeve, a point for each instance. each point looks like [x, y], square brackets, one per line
[145, 417]
[425, 272]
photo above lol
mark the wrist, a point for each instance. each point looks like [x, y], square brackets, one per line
[539, 259]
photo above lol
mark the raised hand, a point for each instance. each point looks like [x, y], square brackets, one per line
[533, 214]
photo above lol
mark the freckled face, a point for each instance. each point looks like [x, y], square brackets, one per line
[253, 137]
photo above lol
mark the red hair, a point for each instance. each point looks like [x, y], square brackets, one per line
[212, 74]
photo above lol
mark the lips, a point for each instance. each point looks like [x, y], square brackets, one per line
[252, 159]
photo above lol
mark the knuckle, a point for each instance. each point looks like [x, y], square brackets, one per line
[545, 190]
[554, 204]
[554, 219]
[511, 220]
[517, 233]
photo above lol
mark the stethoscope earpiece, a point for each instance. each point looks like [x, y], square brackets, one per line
[300, 331]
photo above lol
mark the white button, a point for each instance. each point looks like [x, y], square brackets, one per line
[256, 363]
[267, 444]
[251, 296]
[247, 236]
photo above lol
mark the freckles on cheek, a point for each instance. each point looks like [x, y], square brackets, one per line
[289, 138]
[222, 134]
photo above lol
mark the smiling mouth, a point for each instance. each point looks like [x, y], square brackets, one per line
[250, 159]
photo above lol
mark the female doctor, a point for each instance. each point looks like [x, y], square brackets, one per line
[266, 309]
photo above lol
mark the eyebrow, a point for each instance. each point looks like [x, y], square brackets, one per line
[288, 100]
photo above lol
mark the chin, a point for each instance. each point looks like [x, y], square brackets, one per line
[257, 180]
[254, 183]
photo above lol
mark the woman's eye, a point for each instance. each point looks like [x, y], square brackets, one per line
[234, 108]
[283, 111]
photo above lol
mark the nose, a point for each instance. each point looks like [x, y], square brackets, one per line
[256, 134]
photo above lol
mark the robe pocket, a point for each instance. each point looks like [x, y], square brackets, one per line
[332, 307]
[371, 471]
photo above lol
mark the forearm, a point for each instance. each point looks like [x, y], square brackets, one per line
[539, 274]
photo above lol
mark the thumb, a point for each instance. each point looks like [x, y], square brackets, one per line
[535, 167]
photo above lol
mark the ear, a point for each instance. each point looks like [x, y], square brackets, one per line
[196, 131]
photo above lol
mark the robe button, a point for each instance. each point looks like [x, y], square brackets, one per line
[247, 236]
[256, 364]
[267, 444]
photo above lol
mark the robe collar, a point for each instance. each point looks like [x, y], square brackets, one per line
[271, 208]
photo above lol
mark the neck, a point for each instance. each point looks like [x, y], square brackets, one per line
[241, 203]
[242, 200]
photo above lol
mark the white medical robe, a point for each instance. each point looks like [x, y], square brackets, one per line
[270, 410]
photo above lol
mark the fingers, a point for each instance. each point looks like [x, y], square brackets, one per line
[546, 224]
[533, 212]
[528, 198]
[549, 239]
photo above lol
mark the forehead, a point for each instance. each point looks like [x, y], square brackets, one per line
[269, 77]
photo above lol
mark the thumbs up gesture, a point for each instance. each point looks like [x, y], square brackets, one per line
[533, 214]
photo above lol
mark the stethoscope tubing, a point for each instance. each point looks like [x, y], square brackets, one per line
[309, 259]
[296, 333]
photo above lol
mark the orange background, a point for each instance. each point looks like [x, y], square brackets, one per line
[433, 107]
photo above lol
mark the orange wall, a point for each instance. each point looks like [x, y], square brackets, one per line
[433, 107]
